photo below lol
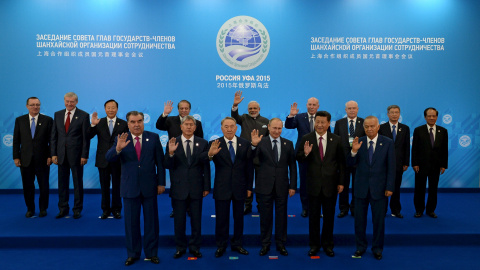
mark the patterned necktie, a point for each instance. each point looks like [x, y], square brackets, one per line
[275, 151]
[189, 152]
[320, 147]
[370, 152]
[232, 151]
[311, 124]
[394, 132]
[138, 147]
[32, 127]
[432, 139]
[110, 127]
[67, 122]
[352, 129]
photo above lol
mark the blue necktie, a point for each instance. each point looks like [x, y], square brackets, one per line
[189, 152]
[275, 151]
[370, 152]
[110, 127]
[352, 129]
[232, 151]
[32, 127]
[394, 132]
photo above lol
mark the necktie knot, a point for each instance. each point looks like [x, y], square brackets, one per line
[371, 143]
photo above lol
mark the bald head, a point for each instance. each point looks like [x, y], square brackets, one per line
[312, 105]
[351, 108]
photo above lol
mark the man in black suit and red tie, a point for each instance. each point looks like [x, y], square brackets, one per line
[70, 147]
[429, 160]
[31, 152]
[348, 128]
[275, 180]
[400, 134]
[107, 129]
[323, 154]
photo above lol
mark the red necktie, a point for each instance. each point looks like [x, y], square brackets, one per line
[67, 122]
[138, 148]
[320, 147]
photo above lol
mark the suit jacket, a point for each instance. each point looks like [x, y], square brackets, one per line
[233, 178]
[76, 139]
[302, 124]
[27, 148]
[342, 130]
[171, 124]
[323, 177]
[144, 175]
[379, 176]
[402, 143]
[105, 140]
[268, 173]
[189, 179]
[248, 123]
[423, 155]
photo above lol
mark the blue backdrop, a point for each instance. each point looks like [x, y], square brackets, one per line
[142, 53]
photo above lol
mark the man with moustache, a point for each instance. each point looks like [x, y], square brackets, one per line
[31, 152]
[107, 130]
[249, 122]
[400, 134]
[322, 153]
[275, 180]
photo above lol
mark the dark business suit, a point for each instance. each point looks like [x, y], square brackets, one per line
[70, 147]
[323, 177]
[232, 180]
[429, 160]
[108, 169]
[302, 124]
[371, 182]
[273, 179]
[188, 182]
[138, 188]
[171, 124]
[342, 130]
[402, 158]
[33, 154]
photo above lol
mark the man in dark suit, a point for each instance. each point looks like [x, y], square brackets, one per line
[190, 182]
[107, 129]
[322, 153]
[374, 156]
[304, 123]
[429, 160]
[348, 128]
[276, 179]
[143, 178]
[400, 134]
[249, 122]
[31, 152]
[171, 124]
[70, 146]
[232, 157]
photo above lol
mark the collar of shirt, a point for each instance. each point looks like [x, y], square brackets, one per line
[354, 120]
[139, 139]
[114, 120]
[310, 116]
[184, 139]
[271, 140]
[434, 128]
[72, 112]
[36, 119]
[391, 126]
[374, 142]
[234, 143]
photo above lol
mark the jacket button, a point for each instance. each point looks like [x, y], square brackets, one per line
[138, 166]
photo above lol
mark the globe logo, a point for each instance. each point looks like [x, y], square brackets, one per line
[8, 140]
[465, 141]
[164, 140]
[411, 140]
[400, 119]
[243, 43]
[197, 117]
[332, 124]
[146, 118]
[214, 137]
[447, 119]
[382, 122]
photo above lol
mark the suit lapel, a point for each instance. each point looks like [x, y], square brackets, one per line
[329, 148]
[224, 152]
[182, 154]
[438, 136]
[378, 148]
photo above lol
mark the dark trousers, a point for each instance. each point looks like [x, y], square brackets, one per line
[302, 171]
[395, 206]
[378, 219]
[133, 237]
[317, 205]
[265, 206]
[28, 182]
[222, 220]
[113, 172]
[64, 185]
[433, 176]
[343, 204]
[180, 219]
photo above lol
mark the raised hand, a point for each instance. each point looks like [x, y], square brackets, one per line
[255, 138]
[122, 141]
[95, 119]
[214, 148]
[167, 107]
[238, 98]
[307, 148]
[293, 109]
[356, 145]
[172, 146]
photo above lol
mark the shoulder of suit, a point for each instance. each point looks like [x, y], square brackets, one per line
[285, 140]
[45, 117]
[384, 138]
[241, 140]
[199, 139]
[333, 136]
